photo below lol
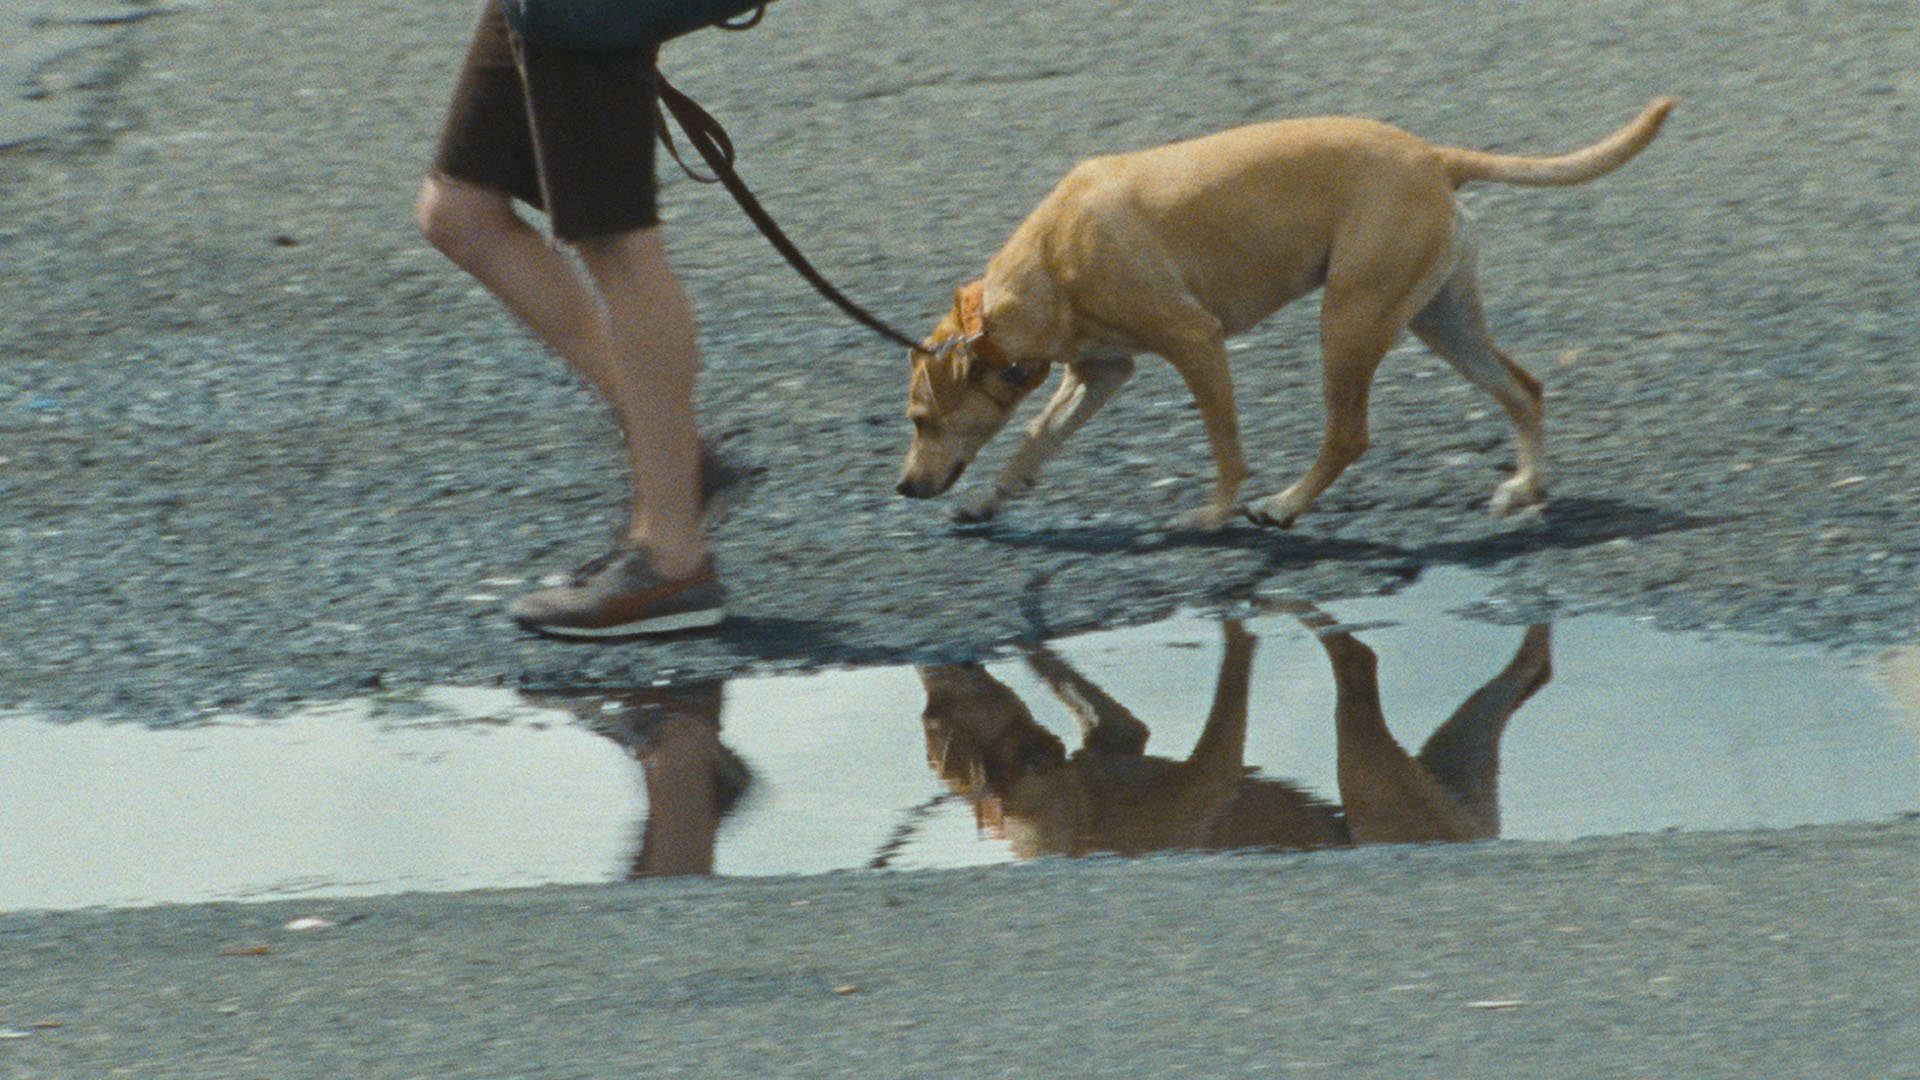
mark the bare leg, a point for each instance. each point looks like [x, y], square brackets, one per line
[629, 332]
[683, 800]
[652, 360]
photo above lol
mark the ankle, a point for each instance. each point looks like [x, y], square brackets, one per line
[674, 561]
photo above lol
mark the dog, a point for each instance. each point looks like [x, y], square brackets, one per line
[1111, 796]
[1175, 249]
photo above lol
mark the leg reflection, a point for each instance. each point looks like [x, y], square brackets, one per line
[1451, 790]
[692, 780]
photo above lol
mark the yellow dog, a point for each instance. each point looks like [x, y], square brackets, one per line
[1175, 249]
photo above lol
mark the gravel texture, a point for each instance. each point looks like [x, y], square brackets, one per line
[259, 444]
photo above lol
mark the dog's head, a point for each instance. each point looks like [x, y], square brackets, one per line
[963, 391]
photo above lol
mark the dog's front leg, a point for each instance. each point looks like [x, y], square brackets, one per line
[1106, 725]
[1087, 384]
[1203, 365]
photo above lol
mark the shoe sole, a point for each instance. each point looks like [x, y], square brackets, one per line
[660, 624]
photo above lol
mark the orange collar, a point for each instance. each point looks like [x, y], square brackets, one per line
[967, 303]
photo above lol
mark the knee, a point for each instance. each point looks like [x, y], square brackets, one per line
[639, 251]
[456, 218]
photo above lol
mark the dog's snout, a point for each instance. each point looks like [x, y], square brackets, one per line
[919, 487]
[953, 475]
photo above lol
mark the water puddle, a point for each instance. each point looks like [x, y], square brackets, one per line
[1382, 720]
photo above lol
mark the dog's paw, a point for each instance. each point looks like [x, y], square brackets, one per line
[975, 506]
[1265, 520]
[1517, 496]
[1272, 513]
[1209, 518]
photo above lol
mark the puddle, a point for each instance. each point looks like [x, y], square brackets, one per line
[1263, 732]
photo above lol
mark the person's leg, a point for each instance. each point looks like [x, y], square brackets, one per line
[629, 332]
[649, 361]
[485, 160]
[572, 133]
[478, 229]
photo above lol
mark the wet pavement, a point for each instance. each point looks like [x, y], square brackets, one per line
[50, 50]
[1414, 717]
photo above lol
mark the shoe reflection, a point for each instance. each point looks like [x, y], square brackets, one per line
[1110, 796]
[692, 780]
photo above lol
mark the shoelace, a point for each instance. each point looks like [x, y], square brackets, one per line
[588, 569]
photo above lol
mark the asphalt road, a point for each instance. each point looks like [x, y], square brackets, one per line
[263, 445]
[1783, 955]
[258, 445]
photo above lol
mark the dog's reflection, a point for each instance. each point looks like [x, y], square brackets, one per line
[1111, 796]
[692, 780]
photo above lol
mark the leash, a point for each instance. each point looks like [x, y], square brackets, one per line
[716, 147]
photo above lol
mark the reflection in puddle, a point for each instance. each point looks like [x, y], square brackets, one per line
[692, 781]
[1282, 730]
[1110, 796]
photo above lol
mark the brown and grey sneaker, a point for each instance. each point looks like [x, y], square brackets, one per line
[620, 595]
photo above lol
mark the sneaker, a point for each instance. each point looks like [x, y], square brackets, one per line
[620, 595]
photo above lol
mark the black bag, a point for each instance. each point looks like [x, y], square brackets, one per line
[621, 24]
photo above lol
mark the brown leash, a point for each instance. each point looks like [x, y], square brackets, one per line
[716, 147]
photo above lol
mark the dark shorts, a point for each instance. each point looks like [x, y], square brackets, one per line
[569, 132]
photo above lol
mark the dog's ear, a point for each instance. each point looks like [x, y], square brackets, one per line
[969, 304]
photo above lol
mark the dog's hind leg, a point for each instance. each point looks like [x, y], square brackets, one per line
[1454, 325]
[1086, 385]
[1389, 796]
[1463, 755]
[1380, 272]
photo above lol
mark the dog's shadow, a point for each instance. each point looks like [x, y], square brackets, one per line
[1120, 539]
[1110, 796]
[1565, 524]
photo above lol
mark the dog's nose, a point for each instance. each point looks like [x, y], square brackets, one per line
[909, 489]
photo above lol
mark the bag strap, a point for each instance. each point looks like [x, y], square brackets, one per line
[716, 147]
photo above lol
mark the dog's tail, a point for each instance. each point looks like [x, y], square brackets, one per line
[1576, 168]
